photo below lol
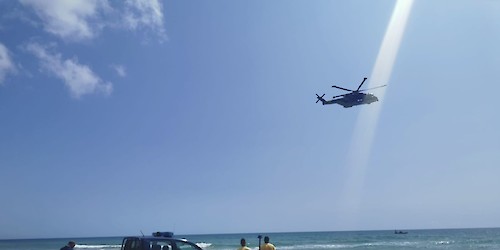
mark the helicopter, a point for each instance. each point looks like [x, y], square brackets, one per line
[356, 97]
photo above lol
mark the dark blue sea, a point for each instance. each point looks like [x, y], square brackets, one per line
[488, 238]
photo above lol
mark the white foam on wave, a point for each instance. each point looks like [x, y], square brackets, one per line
[206, 245]
[351, 245]
[106, 247]
[314, 246]
[203, 244]
[83, 246]
[443, 242]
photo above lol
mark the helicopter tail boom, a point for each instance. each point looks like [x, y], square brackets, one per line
[323, 101]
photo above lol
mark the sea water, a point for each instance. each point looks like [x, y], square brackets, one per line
[415, 239]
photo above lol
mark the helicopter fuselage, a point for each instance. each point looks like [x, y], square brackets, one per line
[355, 98]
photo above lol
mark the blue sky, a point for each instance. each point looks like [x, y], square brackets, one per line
[199, 117]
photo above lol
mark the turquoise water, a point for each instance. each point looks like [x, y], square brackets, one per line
[415, 239]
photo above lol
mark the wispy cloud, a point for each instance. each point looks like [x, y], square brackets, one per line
[79, 78]
[145, 14]
[79, 20]
[6, 65]
[120, 70]
[70, 20]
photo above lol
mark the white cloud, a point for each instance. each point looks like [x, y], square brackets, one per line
[120, 70]
[80, 79]
[145, 14]
[6, 65]
[70, 20]
[77, 20]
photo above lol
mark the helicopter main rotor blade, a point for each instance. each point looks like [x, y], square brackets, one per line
[342, 88]
[373, 88]
[340, 95]
[364, 79]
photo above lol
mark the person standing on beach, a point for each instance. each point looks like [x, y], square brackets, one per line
[70, 246]
[267, 245]
[243, 243]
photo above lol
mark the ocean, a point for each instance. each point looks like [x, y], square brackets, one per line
[487, 238]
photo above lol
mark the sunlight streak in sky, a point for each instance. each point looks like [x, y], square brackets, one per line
[364, 131]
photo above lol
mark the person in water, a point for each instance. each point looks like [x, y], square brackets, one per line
[70, 246]
[267, 245]
[243, 243]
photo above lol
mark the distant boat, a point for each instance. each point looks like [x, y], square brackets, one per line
[399, 232]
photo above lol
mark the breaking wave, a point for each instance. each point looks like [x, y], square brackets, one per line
[102, 246]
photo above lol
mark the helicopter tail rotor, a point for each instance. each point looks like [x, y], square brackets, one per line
[320, 98]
